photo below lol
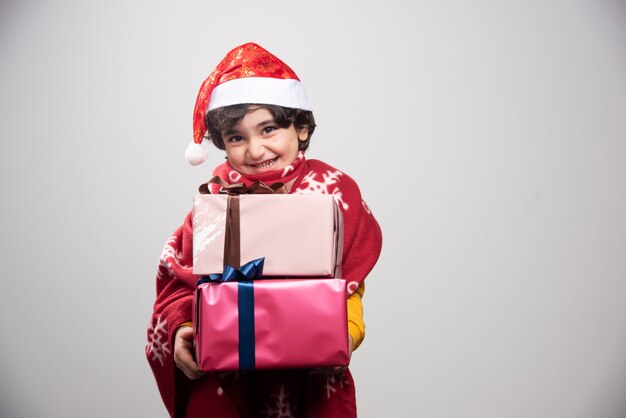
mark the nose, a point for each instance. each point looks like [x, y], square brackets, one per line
[256, 149]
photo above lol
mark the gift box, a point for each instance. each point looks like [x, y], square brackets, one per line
[271, 323]
[299, 235]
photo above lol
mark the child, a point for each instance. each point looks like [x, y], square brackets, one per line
[255, 108]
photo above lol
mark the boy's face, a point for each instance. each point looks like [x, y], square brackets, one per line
[257, 145]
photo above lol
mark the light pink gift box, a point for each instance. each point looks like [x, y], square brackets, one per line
[297, 324]
[299, 235]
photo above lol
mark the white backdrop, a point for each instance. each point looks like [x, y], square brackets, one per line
[488, 137]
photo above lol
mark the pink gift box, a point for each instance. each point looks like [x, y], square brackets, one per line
[299, 235]
[298, 323]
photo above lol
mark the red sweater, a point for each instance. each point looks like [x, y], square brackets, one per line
[225, 395]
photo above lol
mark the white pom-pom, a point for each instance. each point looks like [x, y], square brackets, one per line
[196, 154]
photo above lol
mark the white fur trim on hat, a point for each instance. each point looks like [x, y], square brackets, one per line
[196, 154]
[263, 90]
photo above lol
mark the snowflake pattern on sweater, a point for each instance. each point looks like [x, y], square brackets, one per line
[280, 405]
[324, 183]
[167, 256]
[333, 383]
[157, 346]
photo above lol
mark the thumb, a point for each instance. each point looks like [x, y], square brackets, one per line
[186, 333]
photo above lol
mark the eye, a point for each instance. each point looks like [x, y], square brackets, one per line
[269, 129]
[235, 138]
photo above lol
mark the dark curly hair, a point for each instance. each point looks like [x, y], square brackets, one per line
[225, 118]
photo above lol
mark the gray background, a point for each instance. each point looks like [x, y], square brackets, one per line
[488, 137]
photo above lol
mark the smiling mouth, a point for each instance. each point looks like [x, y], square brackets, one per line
[265, 164]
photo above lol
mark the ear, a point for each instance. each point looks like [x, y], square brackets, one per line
[303, 133]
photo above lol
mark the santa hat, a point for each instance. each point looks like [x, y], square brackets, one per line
[247, 74]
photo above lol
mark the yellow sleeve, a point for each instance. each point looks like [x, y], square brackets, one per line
[356, 326]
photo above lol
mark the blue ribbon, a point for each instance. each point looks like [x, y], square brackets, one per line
[244, 276]
[252, 270]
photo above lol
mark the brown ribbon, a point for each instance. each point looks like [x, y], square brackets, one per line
[232, 234]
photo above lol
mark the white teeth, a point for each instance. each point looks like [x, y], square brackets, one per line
[266, 164]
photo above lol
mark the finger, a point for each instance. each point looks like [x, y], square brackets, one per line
[186, 363]
[185, 337]
[193, 375]
[192, 371]
[186, 333]
[184, 358]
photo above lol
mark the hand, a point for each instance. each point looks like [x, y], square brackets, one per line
[341, 369]
[183, 353]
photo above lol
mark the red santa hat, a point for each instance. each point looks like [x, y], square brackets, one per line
[247, 74]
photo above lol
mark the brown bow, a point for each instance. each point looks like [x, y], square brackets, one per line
[258, 187]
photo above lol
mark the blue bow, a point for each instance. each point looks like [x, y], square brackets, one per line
[252, 270]
[244, 276]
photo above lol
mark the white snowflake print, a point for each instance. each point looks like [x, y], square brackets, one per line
[168, 255]
[281, 407]
[290, 167]
[328, 185]
[287, 170]
[333, 382]
[352, 286]
[367, 208]
[234, 176]
[157, 346]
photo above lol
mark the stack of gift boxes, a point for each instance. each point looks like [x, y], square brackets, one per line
[271, 295]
